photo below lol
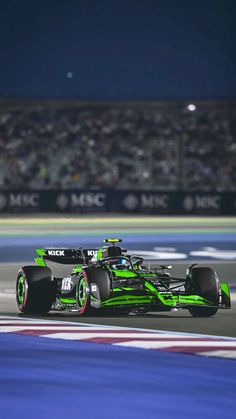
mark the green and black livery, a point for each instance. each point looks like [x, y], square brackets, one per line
[109, 279]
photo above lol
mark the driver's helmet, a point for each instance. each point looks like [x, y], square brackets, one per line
[119, 263]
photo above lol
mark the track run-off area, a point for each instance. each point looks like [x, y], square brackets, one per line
[144, 366]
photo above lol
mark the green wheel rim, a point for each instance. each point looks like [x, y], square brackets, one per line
[82, 292]
[21, 289]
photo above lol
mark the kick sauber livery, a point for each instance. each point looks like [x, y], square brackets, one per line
[109, 279]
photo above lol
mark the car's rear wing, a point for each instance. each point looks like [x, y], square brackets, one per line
[66, 256]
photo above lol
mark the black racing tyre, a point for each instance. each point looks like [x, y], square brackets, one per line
[35, 290]
[83, 295]
[100, 277]
[88, 276]
[203, 281]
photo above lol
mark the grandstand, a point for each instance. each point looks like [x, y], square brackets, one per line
[150, 146]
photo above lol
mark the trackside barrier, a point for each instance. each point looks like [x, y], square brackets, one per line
[140, 202]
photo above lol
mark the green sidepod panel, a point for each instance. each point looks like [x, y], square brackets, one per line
[77, 269]
[225, 295]
[67, 300]
[124, 274]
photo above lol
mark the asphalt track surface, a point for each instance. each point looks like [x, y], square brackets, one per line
[28, 229]
[45, 378]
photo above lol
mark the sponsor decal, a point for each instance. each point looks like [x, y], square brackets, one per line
[201, 203]
[23, 200]
[67, 283]
[92, 252]
[130, 202]
[56, 253]
[19, 201]
[147, 201]
[188, 203]
[88, 199]
[82, 201]
[159, 201]
[62, 201]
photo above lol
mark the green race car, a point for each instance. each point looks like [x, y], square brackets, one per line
[109, 279]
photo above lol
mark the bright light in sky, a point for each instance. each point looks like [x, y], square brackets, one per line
[69, 75]
[191, 107]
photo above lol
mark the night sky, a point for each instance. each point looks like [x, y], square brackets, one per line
[118, 49]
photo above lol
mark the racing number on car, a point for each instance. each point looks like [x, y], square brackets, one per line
[66, 284]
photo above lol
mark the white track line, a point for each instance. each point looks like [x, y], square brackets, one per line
[216, 346]
[219, 354]
[182, 343]
[64, 324]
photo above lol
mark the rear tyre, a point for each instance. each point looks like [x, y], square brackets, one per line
[35, 290]
[92, 275]
[203, 281]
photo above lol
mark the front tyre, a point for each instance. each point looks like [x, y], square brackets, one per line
[83, 295]
[35, 290]
[203, 281]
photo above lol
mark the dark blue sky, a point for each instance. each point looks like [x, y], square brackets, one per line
[118, 49]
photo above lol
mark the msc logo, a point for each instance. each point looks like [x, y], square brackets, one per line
[146, 201]
[19, 200]
[81, 200]
[56, 253]
[202, 202]
[88, 199]
[154, 201]
[24, 199]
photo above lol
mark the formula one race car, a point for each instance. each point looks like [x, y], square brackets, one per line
[109, 279]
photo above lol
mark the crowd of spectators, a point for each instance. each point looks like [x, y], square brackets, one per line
[161, 147]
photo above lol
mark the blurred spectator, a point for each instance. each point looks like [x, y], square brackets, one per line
[162, 147]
